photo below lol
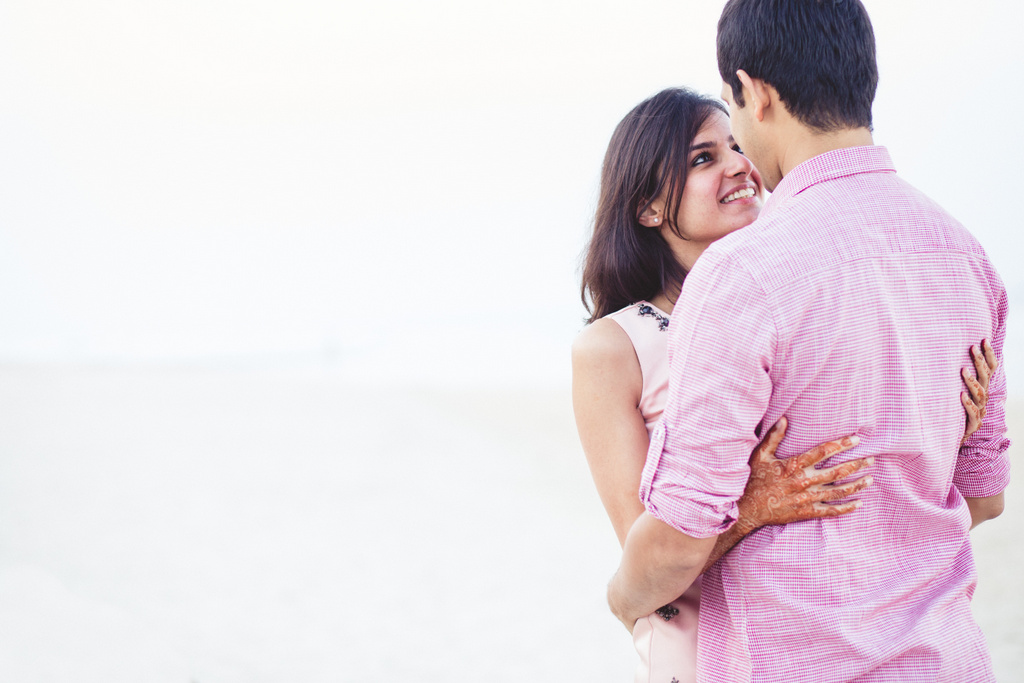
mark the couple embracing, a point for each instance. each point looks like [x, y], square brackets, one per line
[720, 362]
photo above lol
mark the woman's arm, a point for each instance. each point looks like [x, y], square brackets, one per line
[793, 489]
[606, 388]
[773, 491]
[607, 384]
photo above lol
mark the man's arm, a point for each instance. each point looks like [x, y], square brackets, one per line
[794, 489]
[698, 463]
[658, 564]
[985, 364]
[984, 509]
[982, 469]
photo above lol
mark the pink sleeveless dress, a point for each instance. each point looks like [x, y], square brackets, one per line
[666, 640]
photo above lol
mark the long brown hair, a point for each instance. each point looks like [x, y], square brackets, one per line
[625, 261]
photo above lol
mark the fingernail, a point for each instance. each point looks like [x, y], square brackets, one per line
[857, 504]
[870, 481]
[855, 439]
[871, 460]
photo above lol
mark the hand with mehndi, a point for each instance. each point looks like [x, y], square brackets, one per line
[792, 489]
[985, 365]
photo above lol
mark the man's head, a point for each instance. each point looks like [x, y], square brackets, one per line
[816, 56]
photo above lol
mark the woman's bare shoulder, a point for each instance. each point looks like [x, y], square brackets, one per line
[604, 353]
[602, 340]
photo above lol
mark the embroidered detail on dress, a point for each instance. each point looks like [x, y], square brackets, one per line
[666, 612]
[644, 309]
[675, 680]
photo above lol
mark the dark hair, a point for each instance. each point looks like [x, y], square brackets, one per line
[818, 54]
[625, 261]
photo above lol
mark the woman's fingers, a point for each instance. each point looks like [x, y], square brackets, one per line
[974, 414]
[980, 365]
[766, 449]
[814, 510]
[975, 399]
[985, 362]
[978, 392]
[834, 509]
[990, 355]
[832, 493]
[838, 472]
[825, 451]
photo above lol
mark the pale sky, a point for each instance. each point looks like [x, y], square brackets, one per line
[405, 185]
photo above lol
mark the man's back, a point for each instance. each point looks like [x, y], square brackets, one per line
[849, 308]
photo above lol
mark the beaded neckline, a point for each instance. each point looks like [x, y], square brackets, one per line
[648, 310]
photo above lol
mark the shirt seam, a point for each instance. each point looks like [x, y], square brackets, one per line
[755, 275]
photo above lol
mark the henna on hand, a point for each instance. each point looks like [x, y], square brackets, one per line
[975, 403]
[792, 489]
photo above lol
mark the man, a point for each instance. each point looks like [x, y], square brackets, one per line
[846, 307]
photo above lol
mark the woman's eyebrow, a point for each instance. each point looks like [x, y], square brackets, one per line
[703, 145]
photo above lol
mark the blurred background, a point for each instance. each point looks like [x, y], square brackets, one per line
[287, 293]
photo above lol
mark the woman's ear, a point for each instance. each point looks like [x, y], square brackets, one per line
[652, 216]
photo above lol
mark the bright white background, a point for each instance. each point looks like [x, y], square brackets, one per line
[286, 296]
[399, 185]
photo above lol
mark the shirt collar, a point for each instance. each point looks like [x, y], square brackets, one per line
[837, 163]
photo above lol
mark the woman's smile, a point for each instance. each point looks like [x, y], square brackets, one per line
[743, 193]
[722, 193]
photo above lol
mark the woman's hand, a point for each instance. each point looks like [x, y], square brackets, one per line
[792, 490]
[985, 365]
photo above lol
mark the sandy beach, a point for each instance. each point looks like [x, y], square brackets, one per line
[192, 525]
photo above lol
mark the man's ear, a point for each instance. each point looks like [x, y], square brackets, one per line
[653, 215]
[756, 93]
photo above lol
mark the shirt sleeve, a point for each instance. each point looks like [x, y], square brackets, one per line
[721, 345]
[982, 466]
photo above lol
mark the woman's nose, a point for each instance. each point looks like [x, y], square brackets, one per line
[739, 164]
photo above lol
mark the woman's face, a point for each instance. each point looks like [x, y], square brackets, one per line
[723, 191]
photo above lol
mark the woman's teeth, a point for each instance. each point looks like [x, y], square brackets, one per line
[739, 194]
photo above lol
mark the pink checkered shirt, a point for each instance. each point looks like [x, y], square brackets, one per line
[849, 307]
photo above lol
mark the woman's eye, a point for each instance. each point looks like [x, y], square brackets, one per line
[736, 148]
[701, 158]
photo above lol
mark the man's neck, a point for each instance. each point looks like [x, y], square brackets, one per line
[805, 145]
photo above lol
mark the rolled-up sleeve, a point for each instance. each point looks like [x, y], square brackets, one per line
[982, 466]
[721, 346]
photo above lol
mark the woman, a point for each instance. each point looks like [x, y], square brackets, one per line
[673, 182]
